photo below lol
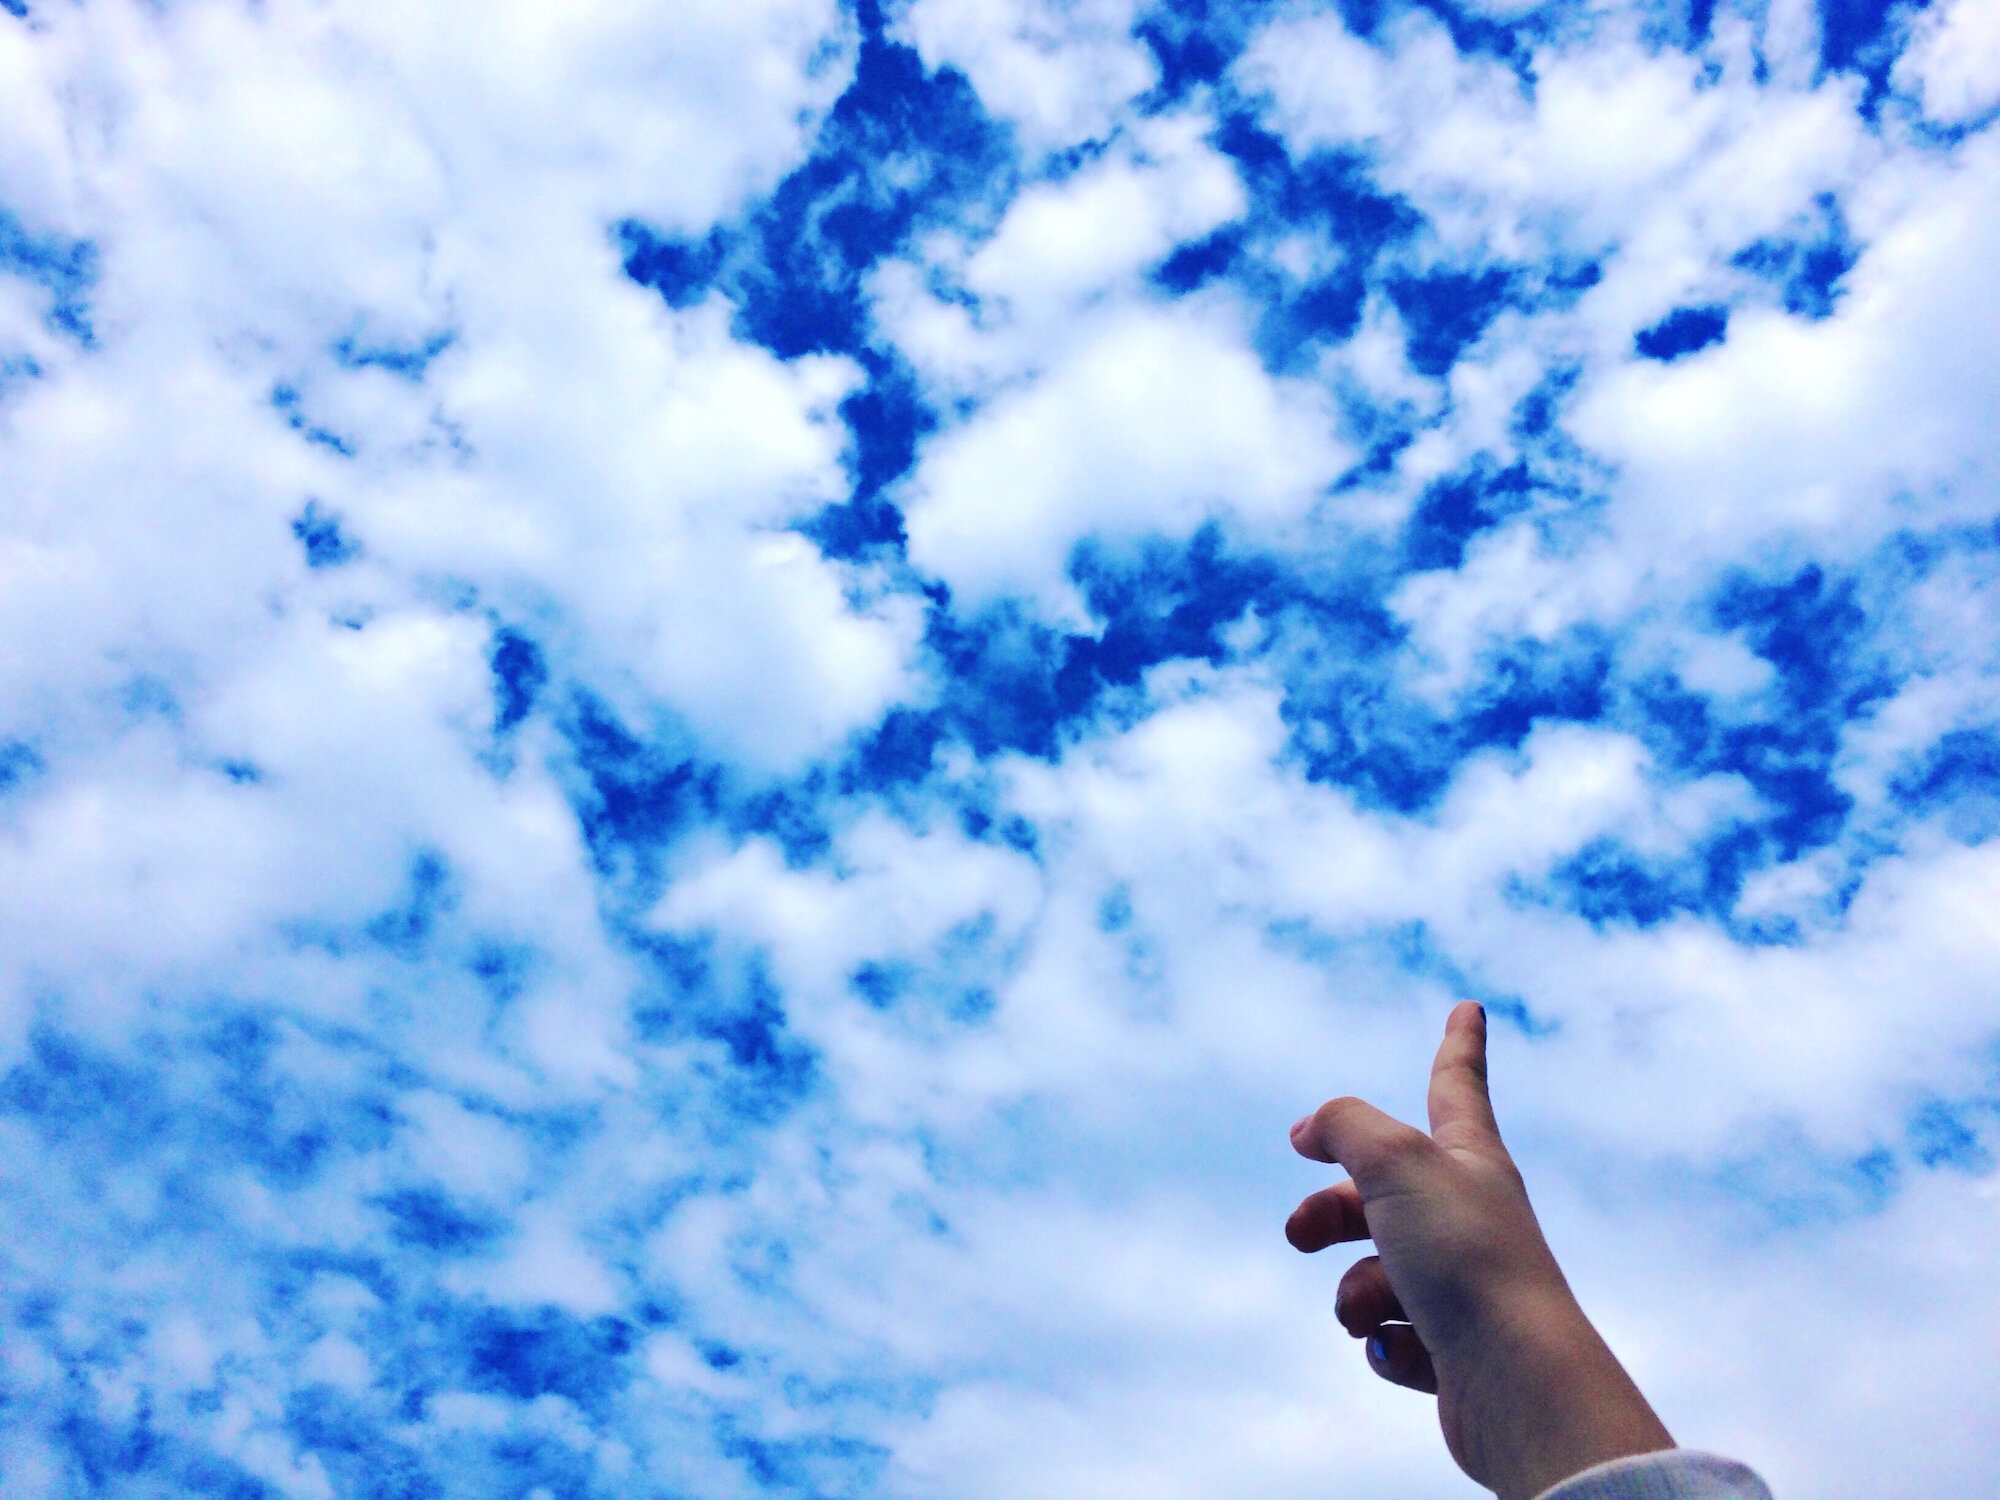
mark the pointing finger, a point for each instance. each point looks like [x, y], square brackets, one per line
[1461, 1112]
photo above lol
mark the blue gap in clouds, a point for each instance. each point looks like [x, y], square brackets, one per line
[1530, 681]
[1958, 779]
[1354, 726]
[1608, 883]
[1807, 267]
[1193, 265]
[901, 150]
[520, 672]
[320, 533]
[1790, 1181]
[431, 893]
[772, 1067]
[632, 799]
[1445, 311]
[1863, 36]
[948, 983]
[1012, 683]
[15, 367]
[1193, 42]
[1159, 603]
[129, 1455]
[1947, 1133]
[229, 1100]
[819, 1465]
[290, 404]
[19, 763]
[1810, 630]
[732, 1002]
[275, 1118]
[1684, 331]
[682, 271]
[1537, 414]
[71, 1094]
[1009, 682]
[794, 814]
[1417, 950]
[546, 1353]
[66, 268]
[409, 361]
[886, 419]
[882, 985]
[1331, 192]
[1457, 507]
[426, 1219]
[1472, 33]
[356, 1443]
[427, 1344]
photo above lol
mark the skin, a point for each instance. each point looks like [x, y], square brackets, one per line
[1463, 1298]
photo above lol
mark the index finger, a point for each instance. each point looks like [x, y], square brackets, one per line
[1461, 1110]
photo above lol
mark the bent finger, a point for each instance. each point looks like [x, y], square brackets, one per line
[1365, 1300]
[1399, 1357]
[1331, 1216]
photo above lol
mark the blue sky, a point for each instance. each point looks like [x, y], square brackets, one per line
[709, 713]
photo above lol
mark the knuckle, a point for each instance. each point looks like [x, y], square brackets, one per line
[1405, 1143]
[1346, 1107]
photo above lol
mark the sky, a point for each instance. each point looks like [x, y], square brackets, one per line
[711, 711]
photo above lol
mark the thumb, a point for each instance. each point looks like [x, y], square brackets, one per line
[1461, 1112]
[1378, 1150]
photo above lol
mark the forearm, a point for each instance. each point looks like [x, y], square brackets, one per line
[1567, 1404]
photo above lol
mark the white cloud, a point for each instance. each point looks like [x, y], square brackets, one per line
[1953, 61]
[1155, 424]
[1066, 246]
[1058, 72]
[546, 1266]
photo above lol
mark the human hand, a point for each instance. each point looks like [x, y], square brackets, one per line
[1463, 1298]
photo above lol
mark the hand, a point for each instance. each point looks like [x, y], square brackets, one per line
[1464, 1298]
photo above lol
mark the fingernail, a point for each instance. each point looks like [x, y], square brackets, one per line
[1482, 1009]
[1377, 1350]
[1300, 1124]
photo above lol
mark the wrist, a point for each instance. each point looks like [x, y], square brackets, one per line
[1558, 1402]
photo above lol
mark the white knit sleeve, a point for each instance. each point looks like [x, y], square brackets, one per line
[1676, 1474]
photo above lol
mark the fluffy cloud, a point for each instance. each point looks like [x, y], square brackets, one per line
[1060, 74]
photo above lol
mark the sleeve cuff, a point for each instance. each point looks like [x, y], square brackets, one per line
[1675, 1474]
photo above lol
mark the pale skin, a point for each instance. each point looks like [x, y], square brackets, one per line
[1463, 1298]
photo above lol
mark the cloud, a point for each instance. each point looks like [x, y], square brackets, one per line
[1953, 63]
[1117, 438]
[1060, 74]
